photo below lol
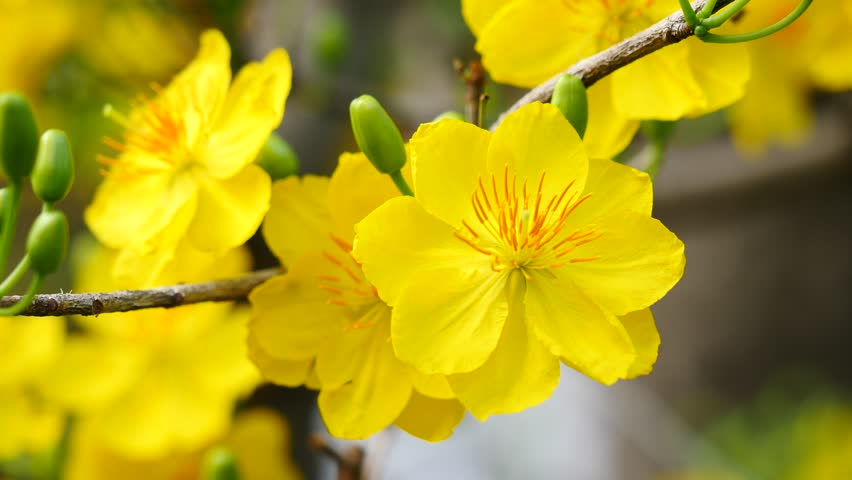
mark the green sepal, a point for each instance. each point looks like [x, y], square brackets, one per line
[54, 167]
[278, 158]
[570, 97]
[377, 135]
[219, 463]
[18, 136]
[47, 242]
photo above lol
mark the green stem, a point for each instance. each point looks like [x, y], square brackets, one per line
[764, 32]
[689, 14]
[401, 184]
[10, 218]
[658, 155]
[717, 20]
[707, 10]
[26, 300]
[16, 275]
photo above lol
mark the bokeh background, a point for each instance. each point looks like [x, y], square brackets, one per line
[755, 365]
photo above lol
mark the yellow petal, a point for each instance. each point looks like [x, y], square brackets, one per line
[525, 43]
[399, 240]
[613, 188]
[374, 398]
[27, 346]
[435, 386]
[590, 339]
[298, 220]
[29, 424]
[344, 355]
[633, 264]
[253, 109]
[520, 373]
[609, 132]
[260, 441]
[646, 339]
[430, 419]
[658, 86]
[356, 188]
[229, 211]
[449, 321]
[477, 13]
[721, 71]
[537, 140]
[290, 373]
[447, 159]
[291, 317]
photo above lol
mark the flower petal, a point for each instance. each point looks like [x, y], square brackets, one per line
[520, 373]
[356, 188]
[430, 419]
[633, 264]
[721, 71]
[374, 398]
[253, 109]
[613, 188]
[298, 220]
[449, 321]
[257, 438]
[281, 371]
[229, 211]
[609, 132]
[400, 240]
[447, 159]
[291, 317]
[537, 141]
[477, 13]
[658, 86]
[590, 339]
[646, 339]
[435, 386]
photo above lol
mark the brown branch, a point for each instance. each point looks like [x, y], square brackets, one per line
[668, 31]
[59, 304]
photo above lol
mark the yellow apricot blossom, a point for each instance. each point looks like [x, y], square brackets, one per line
[28, 422]
[184, 168]
[516, 252]
[155, 382]
[259, 438]
[813, 53]
[525, 42]
[322, 323]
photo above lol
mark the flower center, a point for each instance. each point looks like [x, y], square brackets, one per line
[520, 229]
[349, 288]
[154, 139]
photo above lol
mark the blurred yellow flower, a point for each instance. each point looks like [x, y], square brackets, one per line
[184, 168]
[33, 33]
[156, 382]
[323, 319]
[525, 42]
[811, 54]
[259, 438]
[28, 422]
[519, 251]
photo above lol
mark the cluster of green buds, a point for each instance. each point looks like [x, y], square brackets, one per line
[49, 164]
[703, 20]
[379, 138]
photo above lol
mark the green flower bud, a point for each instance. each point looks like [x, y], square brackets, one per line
[569, 96]
[377, 135]
[219, 464]
[47, 242]
[54, 168]
[277, 158]
[18, 136]
[330, 39]
[450, 114]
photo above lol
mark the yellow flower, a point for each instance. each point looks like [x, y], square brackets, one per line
[155, 382]
[812, 53]
[519, 251]
[184, 168]
[322, 322]
[525, 42]
[29, 423]
[259, 438]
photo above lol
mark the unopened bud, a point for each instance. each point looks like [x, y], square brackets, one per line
[18, 136]
[54, 167]
[278, 158]
[219, 464]
[47, 242]
[569, 96]
[330, 39]
[377, 135]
